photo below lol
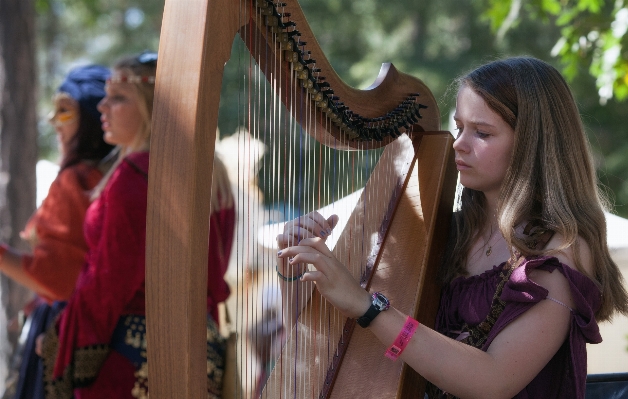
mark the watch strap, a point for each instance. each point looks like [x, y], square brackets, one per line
[378, 305]
[366, 319]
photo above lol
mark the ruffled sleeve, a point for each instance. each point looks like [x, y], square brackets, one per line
[520, 294]
[55, 232]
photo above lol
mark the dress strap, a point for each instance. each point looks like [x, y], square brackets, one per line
[136, 167]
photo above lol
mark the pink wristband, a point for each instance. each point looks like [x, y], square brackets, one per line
[402, 339]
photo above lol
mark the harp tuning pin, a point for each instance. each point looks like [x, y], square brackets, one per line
[352, 134]
[285, 15]
[280, 4]
[272, 21]
[315, 70]
[321, 79]
[323, 84]
[291, 56]
[293, 33]
[268, 11]
[288, 24]
[309, 61]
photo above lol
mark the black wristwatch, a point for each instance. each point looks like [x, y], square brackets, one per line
[379, 304]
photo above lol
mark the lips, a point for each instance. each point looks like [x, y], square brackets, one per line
[461, 165]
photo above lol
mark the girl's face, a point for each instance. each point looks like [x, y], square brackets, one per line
[121, 117]
[65, 119]
[484, 143]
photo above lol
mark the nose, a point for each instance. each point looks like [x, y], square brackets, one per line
[461, 144]
[101, 105]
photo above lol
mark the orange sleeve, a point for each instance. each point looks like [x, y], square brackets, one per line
[56, 232]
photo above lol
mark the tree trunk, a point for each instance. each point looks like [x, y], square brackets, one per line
[18, 152]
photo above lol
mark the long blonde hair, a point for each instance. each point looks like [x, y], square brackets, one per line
[222, 194]
[551, 178]
[144, 84]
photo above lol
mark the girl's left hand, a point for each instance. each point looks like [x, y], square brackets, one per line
[331, 277]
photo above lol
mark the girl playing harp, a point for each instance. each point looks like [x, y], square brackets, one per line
[528, 274]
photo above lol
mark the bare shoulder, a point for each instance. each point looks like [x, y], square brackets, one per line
[568, 256]
[557, 285]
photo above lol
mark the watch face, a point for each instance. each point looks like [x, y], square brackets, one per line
[380, 301]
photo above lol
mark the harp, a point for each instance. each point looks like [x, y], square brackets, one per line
[407, 226]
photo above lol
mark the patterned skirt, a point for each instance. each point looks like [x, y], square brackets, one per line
[128, 345]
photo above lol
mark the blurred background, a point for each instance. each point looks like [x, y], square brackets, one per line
[40, 40]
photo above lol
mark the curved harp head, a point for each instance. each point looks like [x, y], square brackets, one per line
[363, 119]
[195, 44]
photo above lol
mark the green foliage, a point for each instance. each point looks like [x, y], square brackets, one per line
[433, 40]
[592, 41]
[593, 33]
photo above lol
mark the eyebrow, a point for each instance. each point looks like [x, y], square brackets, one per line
[478, 123]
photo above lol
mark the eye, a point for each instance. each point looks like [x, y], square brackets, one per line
[117, 98]
[482, 135]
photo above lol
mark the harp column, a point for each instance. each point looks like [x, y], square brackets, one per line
[187, 93]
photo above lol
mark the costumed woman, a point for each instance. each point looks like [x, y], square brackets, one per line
[529, 273]
[55, 231]
[97, 349]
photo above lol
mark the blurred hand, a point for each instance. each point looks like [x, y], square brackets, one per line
[39, 343]
[311, 225]
[307, 226]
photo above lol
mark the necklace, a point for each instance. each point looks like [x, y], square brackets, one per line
[489, 250]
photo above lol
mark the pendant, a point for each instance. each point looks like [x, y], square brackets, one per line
[489, 251]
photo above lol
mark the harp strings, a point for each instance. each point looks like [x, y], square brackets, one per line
[291, 175]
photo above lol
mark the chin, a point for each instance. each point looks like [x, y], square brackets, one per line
[110, 139]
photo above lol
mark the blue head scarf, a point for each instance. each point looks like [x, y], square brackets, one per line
[86, 84]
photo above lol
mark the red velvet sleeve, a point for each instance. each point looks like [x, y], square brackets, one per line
[112, 283]
[221, 233]
[56, 232]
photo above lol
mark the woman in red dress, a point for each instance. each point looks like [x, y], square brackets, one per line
[98, 347]
[55, 231]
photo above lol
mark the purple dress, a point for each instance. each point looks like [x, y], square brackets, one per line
[468, 300]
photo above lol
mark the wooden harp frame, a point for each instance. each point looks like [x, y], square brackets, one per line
[195, 44]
